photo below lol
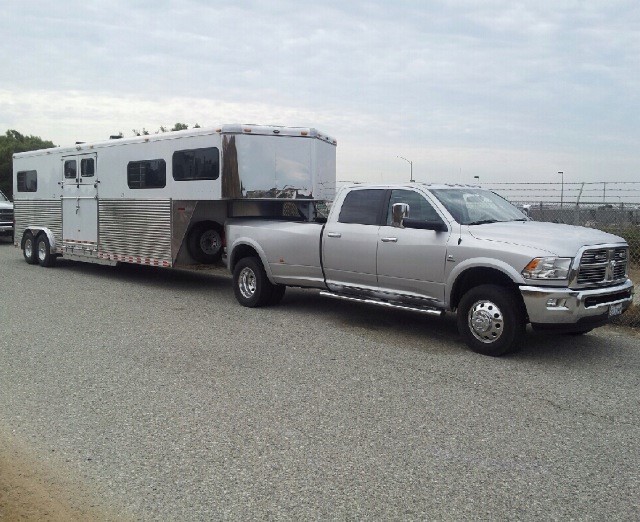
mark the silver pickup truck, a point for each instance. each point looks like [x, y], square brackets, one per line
[438, 248]
[6, 217]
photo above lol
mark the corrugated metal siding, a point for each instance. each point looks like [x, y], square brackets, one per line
[135, 228]
[39, 213]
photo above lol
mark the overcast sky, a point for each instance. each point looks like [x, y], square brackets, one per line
[505, 90]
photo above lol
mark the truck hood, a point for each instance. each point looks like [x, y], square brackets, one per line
[555, 238]
[6, 204]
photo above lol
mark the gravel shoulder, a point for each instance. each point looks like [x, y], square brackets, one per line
[31, 489]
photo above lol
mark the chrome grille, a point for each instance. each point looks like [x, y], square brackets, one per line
[6, 214]
[602, 266]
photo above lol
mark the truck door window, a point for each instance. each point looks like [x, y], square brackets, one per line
[87, 168]
[362, 207]
[419, 207]
[70, 169]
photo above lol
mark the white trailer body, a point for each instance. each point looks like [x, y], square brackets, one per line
[163, 199]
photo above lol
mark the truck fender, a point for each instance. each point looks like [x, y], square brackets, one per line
[37, 230]
[245, 241]
[480, 262]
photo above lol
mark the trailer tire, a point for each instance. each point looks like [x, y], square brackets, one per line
[43, 251]
[29, 248]
[251, 285]
[205, 242]
[491, 320]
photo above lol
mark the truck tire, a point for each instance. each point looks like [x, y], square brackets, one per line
[29, 249]
[43, 251]
[251, 285]
[491, 320]
[205, 242]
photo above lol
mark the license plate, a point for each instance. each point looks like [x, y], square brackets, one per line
[615, 309]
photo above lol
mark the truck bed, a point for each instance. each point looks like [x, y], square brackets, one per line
[290, 250]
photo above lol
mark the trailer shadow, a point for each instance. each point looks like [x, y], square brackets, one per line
[151, 275]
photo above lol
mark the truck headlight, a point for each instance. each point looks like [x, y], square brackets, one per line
[548, 268]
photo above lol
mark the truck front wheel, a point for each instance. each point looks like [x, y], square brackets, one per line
[491, 320]
[251, 285]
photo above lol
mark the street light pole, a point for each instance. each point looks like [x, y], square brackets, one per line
[561, 189]
[410, 165]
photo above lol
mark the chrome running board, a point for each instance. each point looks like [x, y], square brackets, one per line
[431, 311]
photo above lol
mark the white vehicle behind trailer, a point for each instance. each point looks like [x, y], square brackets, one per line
[163, 199]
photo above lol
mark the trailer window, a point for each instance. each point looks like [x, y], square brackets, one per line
[70, 169]
[147, 174]
[28, 181]
[362, 207]
[87, 168]
[196, 164]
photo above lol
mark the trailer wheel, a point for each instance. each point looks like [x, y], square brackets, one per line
[29, 249]
[491, 320]
[251, 286]
[45, 257]
[205, 242]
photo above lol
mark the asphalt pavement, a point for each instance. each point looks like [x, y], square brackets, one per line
[171, 401]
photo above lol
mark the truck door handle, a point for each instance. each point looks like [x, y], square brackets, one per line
[389, 239]
[334, 234]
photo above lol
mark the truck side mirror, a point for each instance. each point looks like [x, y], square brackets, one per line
[399, 211]
[437, 226]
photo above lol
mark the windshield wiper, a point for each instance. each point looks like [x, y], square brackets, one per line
[483, 222]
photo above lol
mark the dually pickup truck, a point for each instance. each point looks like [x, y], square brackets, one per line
[436, 249]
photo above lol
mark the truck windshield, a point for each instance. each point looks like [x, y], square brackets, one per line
[477, 207]
[3, 197]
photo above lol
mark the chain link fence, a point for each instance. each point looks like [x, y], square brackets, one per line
[621, 219]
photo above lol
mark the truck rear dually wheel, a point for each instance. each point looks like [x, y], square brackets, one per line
[491, 320]
[251, 285]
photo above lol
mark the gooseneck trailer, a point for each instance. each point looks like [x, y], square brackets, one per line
[163, 199]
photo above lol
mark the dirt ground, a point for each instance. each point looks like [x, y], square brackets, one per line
[30, 490]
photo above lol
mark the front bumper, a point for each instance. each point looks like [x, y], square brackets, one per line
[549, 307]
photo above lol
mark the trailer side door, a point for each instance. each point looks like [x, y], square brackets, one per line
[80, 203]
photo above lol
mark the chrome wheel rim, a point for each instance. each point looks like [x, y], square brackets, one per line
[486, 321]
[247, 283]
[28, 248]
[42, 251]
[210, 242]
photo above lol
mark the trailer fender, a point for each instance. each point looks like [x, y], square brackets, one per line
[37, 230]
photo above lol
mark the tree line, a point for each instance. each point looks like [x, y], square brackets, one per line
[13, 142]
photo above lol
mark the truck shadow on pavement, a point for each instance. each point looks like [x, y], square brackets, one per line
[433, 333]
[418, 331]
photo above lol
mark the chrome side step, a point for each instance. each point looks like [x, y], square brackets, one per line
[431, 311]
